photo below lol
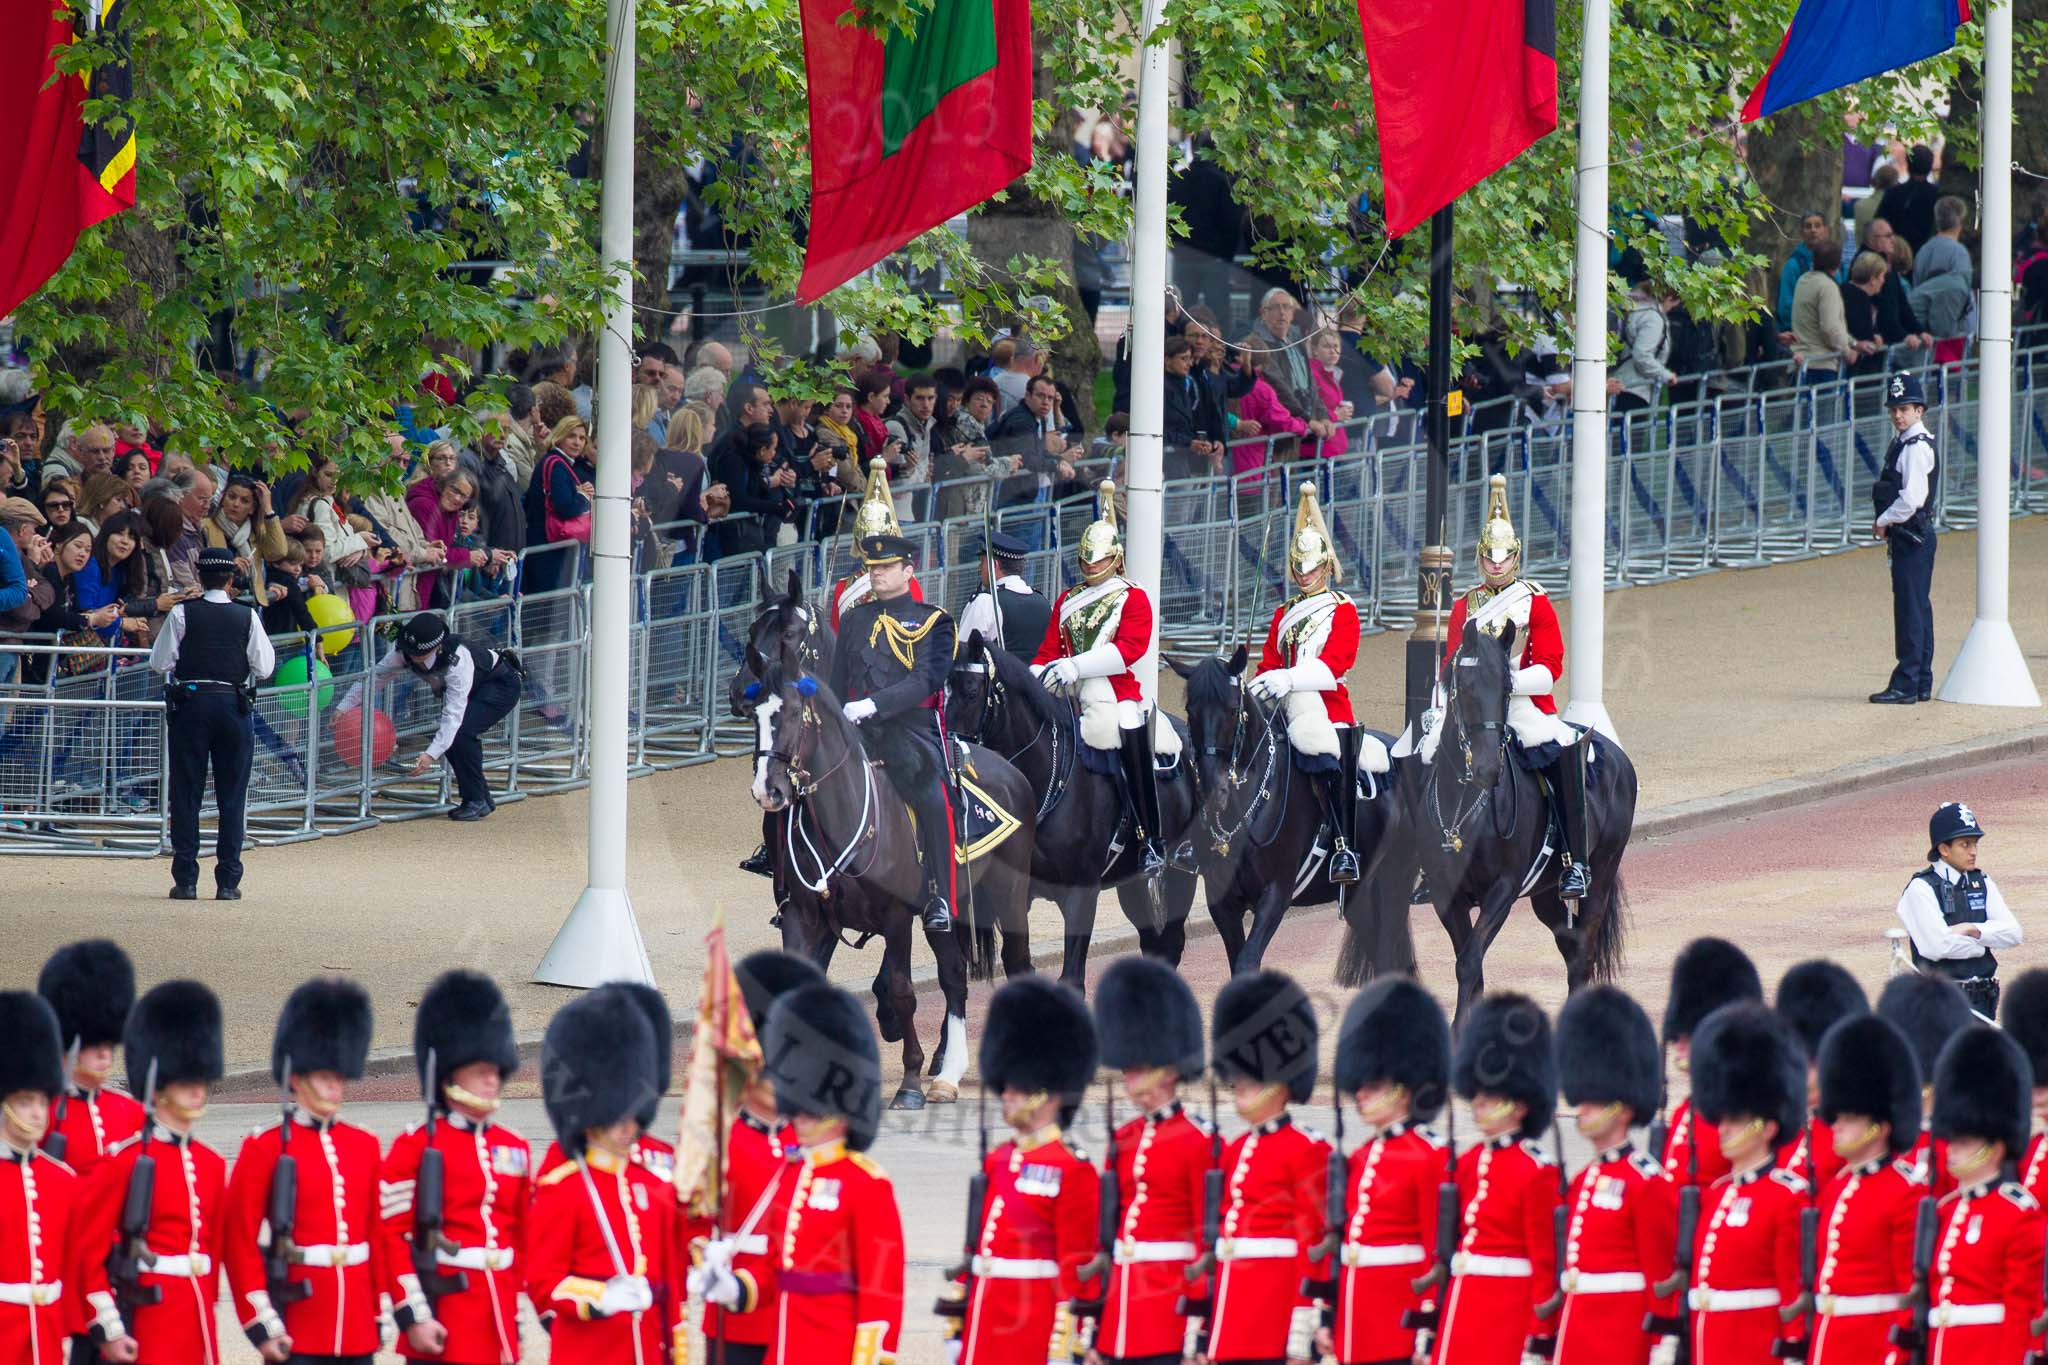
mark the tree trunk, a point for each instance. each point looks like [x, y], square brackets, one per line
[659, 187]
[1796, 158]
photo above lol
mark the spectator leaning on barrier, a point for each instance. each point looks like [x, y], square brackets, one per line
[1945, 304]
[1285, 362]
[20, 544]
[1821, 341]
[1813, 230]
[1894, 303]
[1954, 912]
[1193, 426]
[1860, 293]
[246, 523]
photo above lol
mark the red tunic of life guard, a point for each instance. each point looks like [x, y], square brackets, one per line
[1621, 1239]
[1389, 1241]
[1508, 1187]
[1162, 1161]
[840, 1267]
[1748, 1266]
[1274, 1178]
[1820, 1139]
[1113, 611]
[1686, 1130]
[1527, 607]
[1316, 627]
[1037, 1229]
[38, 1195]
[93, 1123]
[569, 1259]
[487, 1185]
[761, 1176]
[1987, 1276]
[186, 1234]
[337, 1235]
[1867, 1215]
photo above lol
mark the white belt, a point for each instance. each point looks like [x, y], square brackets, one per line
[1134, 1253]
[1491, 1267]
[334, 1257]
[1732, 1300]
[1257, 1248]
[1966, 1314]
[1859, 1305]
[1359, 1254]
[1004, 1268]
[185, 1267]
[1604, 1282]
[476, 1258]
[753, 1244]
[32, 1295]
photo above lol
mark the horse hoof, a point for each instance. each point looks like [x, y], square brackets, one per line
[907, 1098]
[942, 1092]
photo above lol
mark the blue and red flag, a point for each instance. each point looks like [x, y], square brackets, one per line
[1833, 43]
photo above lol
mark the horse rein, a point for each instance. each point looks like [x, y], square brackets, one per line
[804, 785]
[1452, 831]
[1234, 777]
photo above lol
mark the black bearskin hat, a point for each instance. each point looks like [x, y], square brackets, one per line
[31, 1053]
[324, 1026]
[1928, 1010]
[596, 1064]
[2024, 1012]
[1815, 996]
[655, 1007]
[1038, 1038]
[1607, 1052]
[1505, 1049]
[1867, 1067]
[1394, 1030]
[769, 974]
[1145, 1015]
[91, 985]
[1264, 1029]
[463, 1018]
[821, 1054]
[177, 1025]
[1747, 1060]
[1709, 973]
[1983, 1088]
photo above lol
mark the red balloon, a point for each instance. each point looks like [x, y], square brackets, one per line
[347, 728]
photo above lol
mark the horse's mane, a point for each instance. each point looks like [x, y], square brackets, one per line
[1210, 684]
[1015, 674]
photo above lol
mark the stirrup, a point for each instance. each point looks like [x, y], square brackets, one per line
[1151, 859]
[938, 916]
[1182, 859]
[1573, 883]
[1343, 865]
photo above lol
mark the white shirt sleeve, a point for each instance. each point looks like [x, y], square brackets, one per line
[353, 698]
[262, 656]
[1917, 461]
[979, 614]
[163, 655]
[1932, 938]
[2001, 930]
[454, 700]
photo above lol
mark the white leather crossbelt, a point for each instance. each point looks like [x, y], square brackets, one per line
[1859, 1305]
[753, 1244]
[1136, 1253]
[1361, 1254]
[1604, 1282]
[1732, 1300]
[32, 1295]
[1491, 1267]
[476, 1258]
[184, 1267]
[355, 1253]
[1004, 1268]
[1966, 1314]
[1257, 1248]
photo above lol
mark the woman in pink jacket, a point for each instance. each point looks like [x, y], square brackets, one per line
[1325, 354]
[437, 507]
[1261, 405]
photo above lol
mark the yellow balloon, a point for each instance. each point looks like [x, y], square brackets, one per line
[330, 611]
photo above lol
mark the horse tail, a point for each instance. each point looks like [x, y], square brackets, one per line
[1377, 941]
[981, 953]
[1605, 935]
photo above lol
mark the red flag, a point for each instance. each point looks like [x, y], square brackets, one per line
[1459, 89]
[908, 132]
[58, 174]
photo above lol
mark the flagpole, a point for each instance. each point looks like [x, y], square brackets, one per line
[600, 940]
[1991, 669]
[1144, 477]
[1433, 562]
[1589, 389]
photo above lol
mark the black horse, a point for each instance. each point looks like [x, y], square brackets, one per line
[1082, 845]
[1261, 818]
[1476, 822]
[849, 861]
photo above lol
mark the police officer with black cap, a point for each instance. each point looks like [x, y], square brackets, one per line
[1011, 614]
[1904, 497]
[212, 652]
[1954, 912]
[477, 685]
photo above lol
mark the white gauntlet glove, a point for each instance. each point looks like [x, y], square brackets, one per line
[711, 1279]
[858, 711]
[1273, 684]
[1301, 1333]
[1060, 675]
[625, 1294]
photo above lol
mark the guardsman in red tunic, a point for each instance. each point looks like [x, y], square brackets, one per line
[1151, 1030]
[876, 517]
[1929, 1011]
[1263, 1045]
[2024, 1012]
[1749, 1080]
[839, 1266]
[1310, 646]
[656, 1155]
[733, 1272]
[1621, 1237]
[1394, 1063]
[1708, 973]
[38, 1193]
[1099, 632]
[91, 986]
[1870, 1098]
[601, 1237]
[335, 1259]
[1039, 1219]
[174, 1040]
[1506, 1183]
[1813, 997]
[1986, 1285]
[468, 1314]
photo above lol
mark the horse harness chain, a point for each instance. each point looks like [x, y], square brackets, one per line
[804, 785]
[1234, 778]
[1452, 831]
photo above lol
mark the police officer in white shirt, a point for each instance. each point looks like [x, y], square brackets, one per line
[1954, 912]
[1013, 615]
[1904, 493]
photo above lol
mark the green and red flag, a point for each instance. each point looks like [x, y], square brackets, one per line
[59, 172]
[910, 128]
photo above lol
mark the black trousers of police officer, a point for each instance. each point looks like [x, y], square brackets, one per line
[1912, 612]
[491, 697]
[211, 724]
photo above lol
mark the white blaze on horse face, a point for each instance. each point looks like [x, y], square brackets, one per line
[764, 740]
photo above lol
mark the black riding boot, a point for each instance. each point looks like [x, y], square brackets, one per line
[1340, 796]
[1568, 780]
[935, 853]
[1141, 793]
[757, 863]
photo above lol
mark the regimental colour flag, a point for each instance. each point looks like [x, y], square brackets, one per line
[59, 173]
[1459, 89]
[1833, 43]
[724, 1056]
[909, 129]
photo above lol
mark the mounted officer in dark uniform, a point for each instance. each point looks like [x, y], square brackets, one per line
[889, 672]
[1904, 495]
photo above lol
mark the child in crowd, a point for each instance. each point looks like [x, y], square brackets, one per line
[484, 581]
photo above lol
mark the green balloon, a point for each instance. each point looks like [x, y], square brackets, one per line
[291, 679]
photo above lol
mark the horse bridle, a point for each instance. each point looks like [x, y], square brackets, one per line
[808, 730]
[992, 697]
[1234, 777]
[1451, 830]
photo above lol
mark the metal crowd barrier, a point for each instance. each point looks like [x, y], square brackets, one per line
[1748, 476]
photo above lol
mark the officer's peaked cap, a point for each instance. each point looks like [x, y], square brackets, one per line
[423, 633]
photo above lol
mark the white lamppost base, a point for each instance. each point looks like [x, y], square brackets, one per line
[599, 942]
[1990, 670]
[1593, 715]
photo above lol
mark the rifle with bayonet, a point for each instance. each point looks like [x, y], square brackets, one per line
[429, 1209]
[1212, 1227]
[1336, 1213]
[1809, 1261]
[1679, 1324]
[1449, 1216]
[283, 1212]
[953, 1298]
[1109, 1218]
[131, 1254]
[1560, 1241]
[1914, 1337]
[57, 1142]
